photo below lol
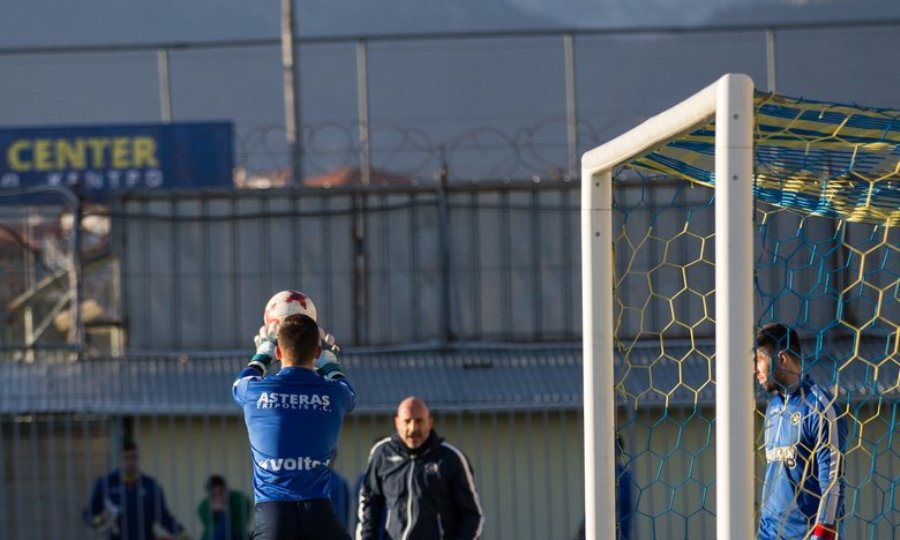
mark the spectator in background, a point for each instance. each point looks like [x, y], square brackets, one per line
[624, 498]
[340, 494]
[425, 483]
[224, 513]
[128, 505]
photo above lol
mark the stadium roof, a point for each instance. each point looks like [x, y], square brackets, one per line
[501, 378]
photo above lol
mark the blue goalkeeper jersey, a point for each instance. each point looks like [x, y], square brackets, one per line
[293, 420]
[805, 442]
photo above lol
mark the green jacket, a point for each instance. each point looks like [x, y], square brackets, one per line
[239, 515]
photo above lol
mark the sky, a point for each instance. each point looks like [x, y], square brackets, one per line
[58, 22]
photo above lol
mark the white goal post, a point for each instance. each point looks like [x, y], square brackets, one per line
[730, 101]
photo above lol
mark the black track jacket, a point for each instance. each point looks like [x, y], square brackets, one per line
[429, 493]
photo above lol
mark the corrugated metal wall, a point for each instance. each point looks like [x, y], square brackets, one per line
[481, 263]
[502, 264]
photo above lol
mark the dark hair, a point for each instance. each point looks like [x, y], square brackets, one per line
[776, 338]
[128, 446]
[215, 481]
[298, 337]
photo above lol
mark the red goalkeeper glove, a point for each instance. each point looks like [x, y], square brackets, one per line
[823, 532]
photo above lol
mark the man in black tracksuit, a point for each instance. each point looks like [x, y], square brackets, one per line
[426, 484]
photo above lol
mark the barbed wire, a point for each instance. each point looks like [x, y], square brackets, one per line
[482, 153]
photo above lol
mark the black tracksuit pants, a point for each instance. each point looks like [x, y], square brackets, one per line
[314, 519]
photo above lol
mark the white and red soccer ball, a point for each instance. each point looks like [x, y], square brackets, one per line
[287, 303]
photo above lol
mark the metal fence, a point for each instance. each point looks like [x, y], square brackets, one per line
[491, 105]
[515, 411]
[62, 423]
[439, 265]
[446, 270]
[447, 264]
[385, 266]
[529, 481]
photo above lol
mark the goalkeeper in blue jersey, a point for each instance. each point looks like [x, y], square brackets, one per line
[803, 491]
[293, 420]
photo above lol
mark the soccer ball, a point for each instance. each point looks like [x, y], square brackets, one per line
[287, 303]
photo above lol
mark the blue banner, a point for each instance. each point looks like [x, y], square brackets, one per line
[98, 161]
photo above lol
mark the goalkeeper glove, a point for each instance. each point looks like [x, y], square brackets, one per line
[265, 342]
[327, 363]
[105, 522]
[328, 342]
[823, 532]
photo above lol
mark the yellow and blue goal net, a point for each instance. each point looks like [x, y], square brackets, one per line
[827, 263]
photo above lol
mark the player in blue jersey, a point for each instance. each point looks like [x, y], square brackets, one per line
[127, 504]
[293, 421]
[805, 437]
